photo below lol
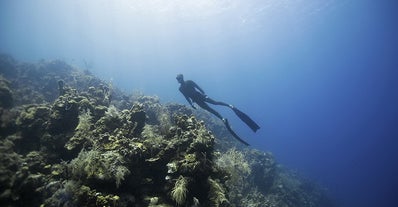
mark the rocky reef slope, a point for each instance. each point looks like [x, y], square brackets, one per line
[68, 138]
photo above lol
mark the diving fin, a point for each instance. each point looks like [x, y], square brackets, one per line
[245, 118]
[233, 133]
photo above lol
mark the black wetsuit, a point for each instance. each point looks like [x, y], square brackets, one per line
[193, 93]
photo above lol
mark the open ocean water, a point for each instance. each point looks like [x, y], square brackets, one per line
[319, 76]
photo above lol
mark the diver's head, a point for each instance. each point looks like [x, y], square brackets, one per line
[180, 78]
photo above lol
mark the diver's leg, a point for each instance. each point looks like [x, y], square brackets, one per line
[245, 118]
[233, 133]
[209, 100]
[209, 109]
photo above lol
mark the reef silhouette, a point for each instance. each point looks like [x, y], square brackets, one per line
[68, 138]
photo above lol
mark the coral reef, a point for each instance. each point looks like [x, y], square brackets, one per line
[179, 192]
[68, 138]
[6, 100]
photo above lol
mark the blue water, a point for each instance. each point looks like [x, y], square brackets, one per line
[319, 76]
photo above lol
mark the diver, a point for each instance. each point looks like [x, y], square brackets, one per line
[194, 94]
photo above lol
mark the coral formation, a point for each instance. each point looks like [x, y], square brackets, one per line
[217, 193]
[179, 192]
[68, 138]
[6, 100]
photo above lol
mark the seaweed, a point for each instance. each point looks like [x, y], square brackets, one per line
[179, 192]
[217, 194]
[100, 167]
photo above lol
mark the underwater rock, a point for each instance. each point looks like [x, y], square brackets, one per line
[33, 119]
[10, 162]
[7, 121]
[179, 109]
[6, 99]
[83, 134]
[137, 117]
[152, 107]
[32, 124]
[64, 115]
[7, 66]
[263, 170]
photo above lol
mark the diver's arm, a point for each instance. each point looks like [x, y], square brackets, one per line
[187, 98]
[201, 90]
[189, 101]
